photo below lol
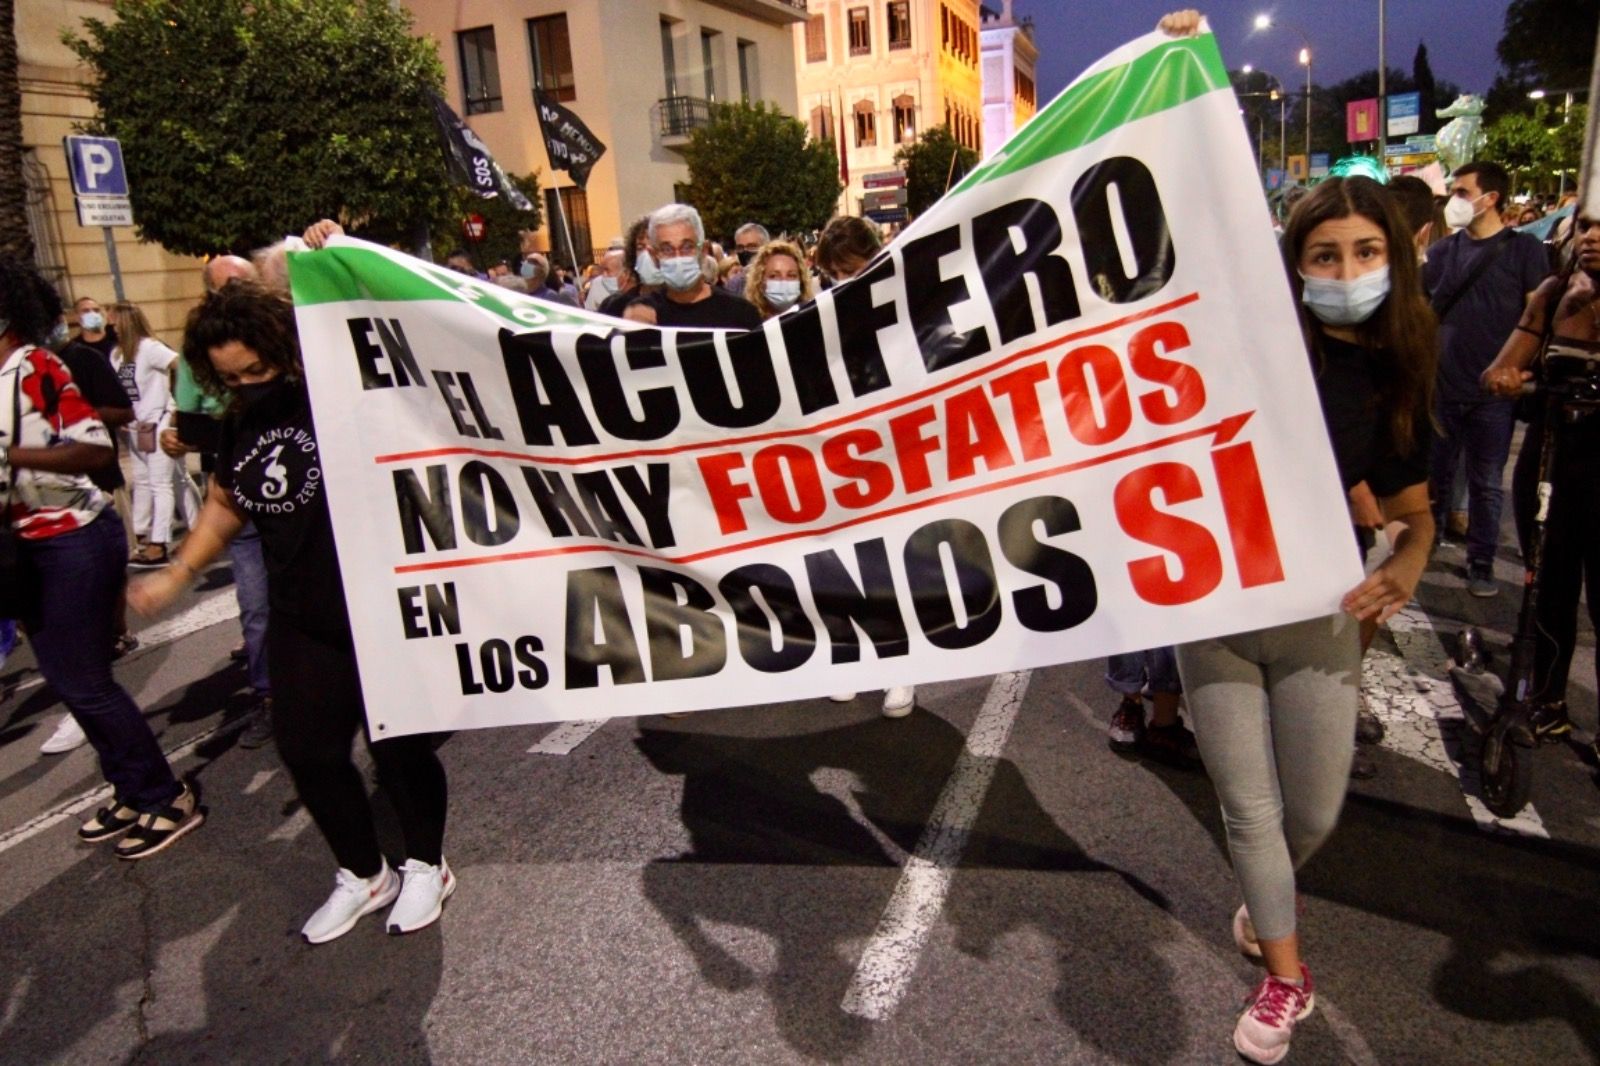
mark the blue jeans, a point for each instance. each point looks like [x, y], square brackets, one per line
[80, 577]
[250, 586]
[1150, 671]
[1483, 432]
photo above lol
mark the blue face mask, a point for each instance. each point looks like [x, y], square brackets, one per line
[682, 272]
[783, 294]
[527, 270]
[645, 267]
[93, 321]
[1346, 303]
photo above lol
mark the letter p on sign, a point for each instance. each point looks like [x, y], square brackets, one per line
[96, 165]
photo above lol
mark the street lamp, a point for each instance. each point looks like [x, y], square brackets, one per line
[1283, 124]
[1267, 22]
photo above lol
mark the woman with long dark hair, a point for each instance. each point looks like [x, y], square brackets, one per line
[75, 552]
[241, 340]
[1275, 710]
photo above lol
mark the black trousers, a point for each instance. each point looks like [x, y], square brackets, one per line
[1572, 544]
[316, 712]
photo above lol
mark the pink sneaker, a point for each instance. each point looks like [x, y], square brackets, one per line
[1268, 1021]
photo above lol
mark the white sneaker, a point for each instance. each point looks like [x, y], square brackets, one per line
[352, 897]
[68, 735]
[1271, 1013]
[842, 697]
[899, 701]
[422, 897]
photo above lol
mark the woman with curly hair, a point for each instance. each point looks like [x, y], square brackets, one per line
[242, 340]
[74, 550]
[777, 278]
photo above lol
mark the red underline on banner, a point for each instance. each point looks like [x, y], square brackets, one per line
[1222, 430]
[804, 431]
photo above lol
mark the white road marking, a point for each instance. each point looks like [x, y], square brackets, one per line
[77, 805]
[890, 957]
[203, 615]
[298, 823]
[565, 737]
[260, 779]
[1416, 701]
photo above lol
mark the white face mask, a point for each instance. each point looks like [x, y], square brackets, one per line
[1346, 303]
[782, 294]
[683, 272]
[1460, 212]
[93, 321]
[645, 266]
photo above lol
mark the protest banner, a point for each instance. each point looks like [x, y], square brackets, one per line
[1069, 412]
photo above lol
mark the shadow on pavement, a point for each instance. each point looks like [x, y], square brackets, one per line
[860, 796]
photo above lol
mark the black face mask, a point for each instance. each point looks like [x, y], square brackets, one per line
[255, 393]
[745, 255]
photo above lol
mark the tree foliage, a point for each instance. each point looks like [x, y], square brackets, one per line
[501, 222]
[1330, 132]
[753, 163]
[15, 238]
[243, 120]
[926, 162]
[1545, 44]
[1536, 148]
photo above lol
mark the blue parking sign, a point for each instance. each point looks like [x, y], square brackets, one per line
[96, 166]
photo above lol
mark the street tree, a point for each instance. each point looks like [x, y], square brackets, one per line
[243, 120]
[501, 221]
[1536, 149]
[1545, 44]
[927, 163]
[14, 236]
[753, 163]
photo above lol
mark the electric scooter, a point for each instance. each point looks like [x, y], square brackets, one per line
[1569, 386]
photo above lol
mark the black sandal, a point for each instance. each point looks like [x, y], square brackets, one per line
[157, 829]
[108, 822]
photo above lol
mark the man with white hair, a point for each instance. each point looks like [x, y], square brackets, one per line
[747, 241]
[607, 283]
[677, 240]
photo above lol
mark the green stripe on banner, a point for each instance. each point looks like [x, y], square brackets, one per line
[357, 274]
[1163, 78]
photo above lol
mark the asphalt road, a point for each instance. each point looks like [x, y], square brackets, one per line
[982, 882]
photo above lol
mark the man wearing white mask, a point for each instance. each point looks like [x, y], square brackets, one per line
[677, 238]
[608, 282]
[1478, 280]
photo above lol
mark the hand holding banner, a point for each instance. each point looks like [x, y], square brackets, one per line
[1069, 412]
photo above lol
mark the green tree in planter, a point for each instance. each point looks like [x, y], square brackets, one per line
[244, 120]
[753, 163]
[926, 162]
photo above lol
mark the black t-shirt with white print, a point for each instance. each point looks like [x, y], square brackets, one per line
[268, 463]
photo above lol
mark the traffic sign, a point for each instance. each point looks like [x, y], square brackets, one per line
[883, 179]
[886, 217]
[96, 166]
[104, 211]
[884, 199]
[1405, 111]
[1319, 164]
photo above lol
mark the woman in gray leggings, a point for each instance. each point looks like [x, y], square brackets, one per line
[1275, 710]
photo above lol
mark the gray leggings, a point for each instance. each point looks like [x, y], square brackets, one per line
[1275, 714]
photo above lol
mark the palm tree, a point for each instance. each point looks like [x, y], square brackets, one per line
[14, 236]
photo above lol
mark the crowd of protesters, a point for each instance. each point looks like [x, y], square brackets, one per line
[1423, 317]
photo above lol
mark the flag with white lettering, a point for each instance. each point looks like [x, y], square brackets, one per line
[567, 141]
[1068, 412]
[469, 160]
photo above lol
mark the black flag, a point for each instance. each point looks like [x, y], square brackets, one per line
[567, 141]
[469, 158]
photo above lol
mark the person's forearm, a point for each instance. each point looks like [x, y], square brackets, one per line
[74, 457]
[216, 525]
[114, 417]
[1414, 543]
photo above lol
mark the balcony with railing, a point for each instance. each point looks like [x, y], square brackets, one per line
[679, 116]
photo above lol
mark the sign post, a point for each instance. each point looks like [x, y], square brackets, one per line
[1405, 113]
[100, 190]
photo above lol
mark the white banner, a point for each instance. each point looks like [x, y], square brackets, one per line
[1067, 413]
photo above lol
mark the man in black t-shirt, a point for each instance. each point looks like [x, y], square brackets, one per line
[98, 383]
[677, 238]
[1478, 280]
[92, 329]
